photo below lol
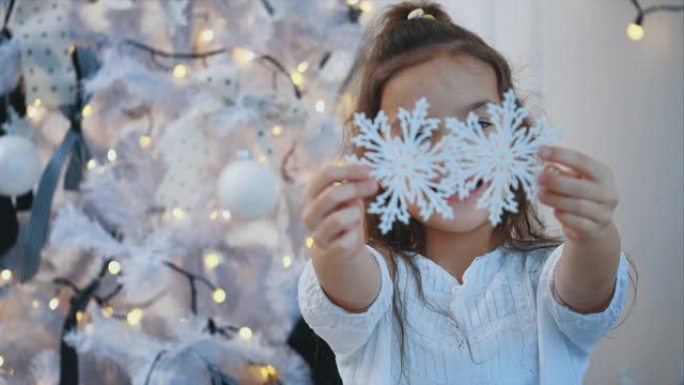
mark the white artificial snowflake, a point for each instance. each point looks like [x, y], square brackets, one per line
[407, 164]
[503, 159]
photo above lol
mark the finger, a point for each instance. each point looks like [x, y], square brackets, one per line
[554, 169]
[572, 187]
[334, 196]
[574, 159]
[582, 207]
[577, 223]
[347, 243]
[335, 224]
[332, 173]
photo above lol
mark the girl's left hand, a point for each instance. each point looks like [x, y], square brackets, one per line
[583, 197]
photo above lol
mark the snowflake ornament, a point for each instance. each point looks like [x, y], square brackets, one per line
[502, 159]
[407, 164]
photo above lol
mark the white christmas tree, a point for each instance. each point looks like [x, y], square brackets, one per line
[175, 260]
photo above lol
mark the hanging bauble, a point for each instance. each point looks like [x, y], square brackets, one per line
[248, 189]
[20, 165]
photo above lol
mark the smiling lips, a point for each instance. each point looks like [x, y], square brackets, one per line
[473, 194]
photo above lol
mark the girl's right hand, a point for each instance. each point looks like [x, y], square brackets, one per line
[333, 211]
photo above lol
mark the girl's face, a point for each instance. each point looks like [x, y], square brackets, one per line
[454, 86]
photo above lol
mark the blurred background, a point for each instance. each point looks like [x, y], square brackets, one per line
[152, 220]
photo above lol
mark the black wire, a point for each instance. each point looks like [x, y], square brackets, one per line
[203, 55]
[7, 15]
[664, 8]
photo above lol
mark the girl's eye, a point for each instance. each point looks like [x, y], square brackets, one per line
[484, 124]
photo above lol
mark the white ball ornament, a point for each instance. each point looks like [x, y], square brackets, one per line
[248, 189]
[20, 165]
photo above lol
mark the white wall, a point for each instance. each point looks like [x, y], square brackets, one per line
[621, 102]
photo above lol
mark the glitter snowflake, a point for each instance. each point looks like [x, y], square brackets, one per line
[503, 158]
[407, 163]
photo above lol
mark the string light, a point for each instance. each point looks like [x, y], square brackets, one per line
[242, 55]
[145, 141]
[297, 78]
[107, 311]
[180, 71]
[366, 6]
[214, 215]
[2, 361]
[263, 159]
[111, 155]
[134, 316]
[6, 275]
[635, 29]
[287, 261]
[33, 110]
[114, 267]
[245, 333]
[309, 242]
[225, 214]
[54, 303]
[207, 35]
[211, 259]
[79, 316]
[320, 106]
[277, 130]
[219, 295]
[35, 303]
[86, 111]
[303, 66]
[178, 213]
[91, 164]
[268, 372]
[352, 2]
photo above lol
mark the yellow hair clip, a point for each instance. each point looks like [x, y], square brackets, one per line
[419, 13]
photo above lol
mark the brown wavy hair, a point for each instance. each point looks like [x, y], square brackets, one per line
[396, 43]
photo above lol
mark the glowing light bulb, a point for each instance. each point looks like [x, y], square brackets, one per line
[107, 311]
[134, 316]
[87, 110]
[242, 55]
[277, 130]
[180, 71]
[309, 242]
[54, 303]
[207, 35]
[263, 159]
[35, 303]
[214, 215]
[145, 141]
[635, 31]
[211, 259]
[297, 78]
[114, 267]
[219, 295]
[225, 214]
[178, 213]
[79, 316]
[320, 106]
[287, 261]
[111, 155]
[6, 275]
[303, 66]
[2, 361]
[245, 333]
[366, 6]
[91, 164]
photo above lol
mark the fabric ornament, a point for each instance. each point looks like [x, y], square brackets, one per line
[248, 189]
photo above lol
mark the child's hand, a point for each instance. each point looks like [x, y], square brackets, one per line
[333, 212]
[583, 197]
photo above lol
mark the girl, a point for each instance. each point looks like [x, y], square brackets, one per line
[458, 301]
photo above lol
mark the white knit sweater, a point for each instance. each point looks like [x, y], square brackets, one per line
[518, 331]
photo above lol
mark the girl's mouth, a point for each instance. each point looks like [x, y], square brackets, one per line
[474, 194]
